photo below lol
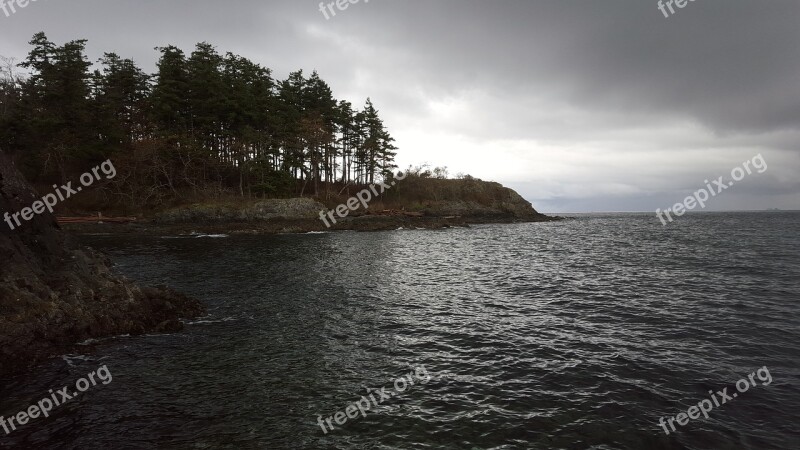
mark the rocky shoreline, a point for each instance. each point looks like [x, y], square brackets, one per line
[291, 226]
[54, 295]
[302, 215]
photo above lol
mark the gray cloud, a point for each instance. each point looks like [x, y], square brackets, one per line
[581, 105]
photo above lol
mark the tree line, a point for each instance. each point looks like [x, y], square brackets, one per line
[205, 124]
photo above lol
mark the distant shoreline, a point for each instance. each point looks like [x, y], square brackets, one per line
[365, 223]
[416, 203]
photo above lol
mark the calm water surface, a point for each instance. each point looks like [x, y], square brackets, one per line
[579, 334]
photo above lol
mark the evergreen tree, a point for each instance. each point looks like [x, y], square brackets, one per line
[169, 100]
[55, 110]
[121, 90]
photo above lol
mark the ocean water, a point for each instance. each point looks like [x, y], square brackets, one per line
[577, 334]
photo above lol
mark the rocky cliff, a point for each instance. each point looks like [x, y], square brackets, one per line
[53, 295]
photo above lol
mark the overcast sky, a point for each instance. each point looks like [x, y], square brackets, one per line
[579, 105]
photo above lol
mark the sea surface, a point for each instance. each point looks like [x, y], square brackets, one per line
[578, 334]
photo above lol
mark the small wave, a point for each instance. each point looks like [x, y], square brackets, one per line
[196, 235]
[92, 341]
[71, 359]
[205, 320]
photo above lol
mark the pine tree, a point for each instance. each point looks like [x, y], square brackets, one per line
[169, 100]
[55, 107]
[121, 90]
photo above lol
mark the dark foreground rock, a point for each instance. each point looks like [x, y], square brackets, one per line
[53, 295]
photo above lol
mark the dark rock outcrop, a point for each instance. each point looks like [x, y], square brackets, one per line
[506, 206]
[53, 296]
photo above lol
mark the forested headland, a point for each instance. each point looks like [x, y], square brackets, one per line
[209, 129]
[205, 125]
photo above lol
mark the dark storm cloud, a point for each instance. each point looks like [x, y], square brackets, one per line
[728, 64]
